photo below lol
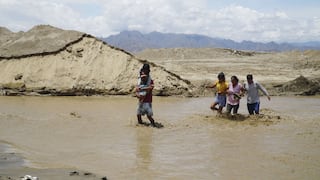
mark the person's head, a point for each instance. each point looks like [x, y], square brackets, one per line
[221, 77]
[234, 80]
[143, 76]
[145, 68]
[250, 78]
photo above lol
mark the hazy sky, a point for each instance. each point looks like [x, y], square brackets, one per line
[256, 20]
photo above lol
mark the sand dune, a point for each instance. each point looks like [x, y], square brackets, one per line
[47, 60]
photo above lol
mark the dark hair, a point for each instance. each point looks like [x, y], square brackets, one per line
[145, 68]
[249, 76]
[221, 75]
[235, 77]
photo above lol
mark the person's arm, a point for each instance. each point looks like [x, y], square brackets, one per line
[138, 85]
[137, 91]
[150, 87]
[229, 91]
[244, 87]
[212, 86]
[265, 92]
[242, 90]
[226, 92]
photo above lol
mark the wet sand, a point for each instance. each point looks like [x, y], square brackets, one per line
[99, 135]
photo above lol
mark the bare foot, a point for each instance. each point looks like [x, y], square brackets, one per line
[213, 108]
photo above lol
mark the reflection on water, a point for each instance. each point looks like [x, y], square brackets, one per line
[99, 134]
[144, 153]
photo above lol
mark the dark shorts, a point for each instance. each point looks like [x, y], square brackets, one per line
[234, 107]
[253, 108]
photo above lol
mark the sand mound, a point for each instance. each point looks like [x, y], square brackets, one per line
[47, 60]
[301, 86]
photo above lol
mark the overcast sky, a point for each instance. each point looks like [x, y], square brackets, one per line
[255, 20]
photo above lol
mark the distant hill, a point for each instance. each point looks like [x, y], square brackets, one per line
[134, 41]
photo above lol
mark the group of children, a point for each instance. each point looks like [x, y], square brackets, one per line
[226, 94]
[230, 94]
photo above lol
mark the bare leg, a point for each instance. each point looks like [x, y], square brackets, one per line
[213, 106]
[151, 121]
[220, 110]
[139, 119]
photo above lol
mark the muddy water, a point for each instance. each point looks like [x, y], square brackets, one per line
[99, 134]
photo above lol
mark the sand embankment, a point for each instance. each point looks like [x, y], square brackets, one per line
[48, 60]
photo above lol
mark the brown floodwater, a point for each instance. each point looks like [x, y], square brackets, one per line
[99, 134]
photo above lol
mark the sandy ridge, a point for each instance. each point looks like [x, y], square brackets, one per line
[83, 66]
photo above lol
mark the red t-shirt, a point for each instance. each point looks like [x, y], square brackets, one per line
[148, 98]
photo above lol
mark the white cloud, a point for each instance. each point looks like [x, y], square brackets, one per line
[23, 15]
[106, 17]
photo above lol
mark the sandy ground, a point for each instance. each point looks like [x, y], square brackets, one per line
[201, 66]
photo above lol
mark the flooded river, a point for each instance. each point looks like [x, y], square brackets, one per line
[99, 134]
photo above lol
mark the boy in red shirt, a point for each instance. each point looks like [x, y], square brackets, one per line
[144, 94]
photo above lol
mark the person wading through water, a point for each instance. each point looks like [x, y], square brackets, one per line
[235, 92]
[253, 98]
[144, 94]
[221, 93]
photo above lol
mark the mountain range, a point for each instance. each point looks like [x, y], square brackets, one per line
[135, 41]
